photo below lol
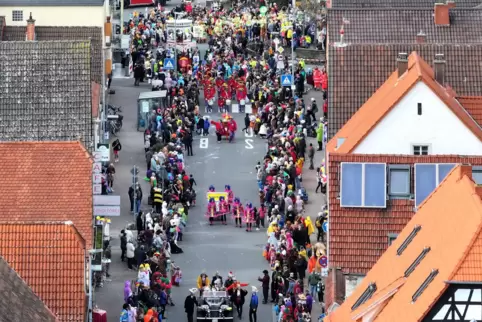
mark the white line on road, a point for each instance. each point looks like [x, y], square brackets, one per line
[204, 143]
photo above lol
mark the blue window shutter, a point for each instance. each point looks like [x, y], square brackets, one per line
[425, 181]
[375, 185]
[351, 184]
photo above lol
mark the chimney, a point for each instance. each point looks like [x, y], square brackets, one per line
[421, 37]
[439, 68]
[30, 34]
[402, 63]
[441, 13]
[451, 4]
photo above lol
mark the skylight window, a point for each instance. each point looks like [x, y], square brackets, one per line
[417, 261]
[425, 284]
[409, 239]
[371, 289]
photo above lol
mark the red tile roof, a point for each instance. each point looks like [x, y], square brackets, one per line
[473, 105]
[456, 256]
[359, 236]
[47, 181]
[50, 258]
[16, 298]
[388, 96]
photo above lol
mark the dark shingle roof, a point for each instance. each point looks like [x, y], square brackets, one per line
[56, 3]
[356, 71]
[65, 33]
[398, 3]
[45, 90]
[394, 26]
[17, 300]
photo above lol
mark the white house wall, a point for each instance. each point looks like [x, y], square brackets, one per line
[438, 127]
[57, 16]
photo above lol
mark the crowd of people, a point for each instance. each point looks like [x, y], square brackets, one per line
[242, 65]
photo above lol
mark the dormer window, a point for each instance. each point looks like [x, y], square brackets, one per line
[339, 142]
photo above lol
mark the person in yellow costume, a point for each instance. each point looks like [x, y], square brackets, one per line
[202, 281]
[272, 228]
[309, 225]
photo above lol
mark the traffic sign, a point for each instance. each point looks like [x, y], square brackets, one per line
[325, 226]
[286, 80]
[135, 171]
[323, 261]
[168, 63]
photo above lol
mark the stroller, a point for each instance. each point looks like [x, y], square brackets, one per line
[304, 195]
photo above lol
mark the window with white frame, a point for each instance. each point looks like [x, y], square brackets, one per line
[17, 15]
[420, 149]
[399, 181]
[363, 185]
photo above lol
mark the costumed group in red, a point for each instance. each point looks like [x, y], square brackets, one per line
[218, 209]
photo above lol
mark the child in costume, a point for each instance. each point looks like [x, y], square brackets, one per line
[211, 214]
[176, 277]
[223, 209]
[238, 212]
[249, 216]
[211, 188]
[227, 189]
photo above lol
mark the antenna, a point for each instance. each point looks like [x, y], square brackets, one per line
[342, 33]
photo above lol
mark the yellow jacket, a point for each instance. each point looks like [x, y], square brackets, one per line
[200, 281]
[309, 225]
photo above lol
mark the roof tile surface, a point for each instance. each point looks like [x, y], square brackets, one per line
[401, 26]
[19, 300]
[94, 34]
[399, 4]
[50, 258]
[473, 105]
[455, 203]
[45, 99]
[355, 72]
[358, 236]
[47, 181]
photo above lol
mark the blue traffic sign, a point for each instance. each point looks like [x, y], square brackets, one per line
[325, 226]
[323, 261]
[168, 63]
[286, 80]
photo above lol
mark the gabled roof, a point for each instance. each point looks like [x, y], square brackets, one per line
[45, 99]
[43, 33]
[356, 71]
[388, 96]
[402, 25]
[398, 4]
[19, 300]
[47, 181]
[52, 3]
[454, 205]
[50, 258]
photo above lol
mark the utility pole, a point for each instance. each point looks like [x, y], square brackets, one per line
[135, 172]
[122, 16]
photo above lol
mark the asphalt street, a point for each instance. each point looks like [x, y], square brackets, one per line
[206, 248]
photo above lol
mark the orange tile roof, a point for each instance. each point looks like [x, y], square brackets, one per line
[387, 97]
[473, 105]
[50, 258]
[455, 250]
[48, 181]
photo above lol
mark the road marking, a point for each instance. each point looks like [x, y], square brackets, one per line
[248, 145]
[249, 133]
[204, 143]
